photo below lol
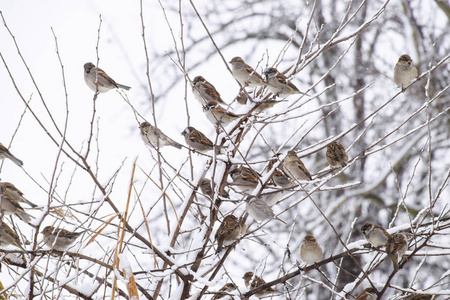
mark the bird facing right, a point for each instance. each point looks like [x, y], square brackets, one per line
[4, 153]
[310, 251]
[404, 71]
[96, 78]
[336, 155]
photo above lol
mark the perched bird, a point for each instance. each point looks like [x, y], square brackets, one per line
[206, 188]
[8, 236]
[228, 231]
[245, 178]
[205, 91]
[375, 234]
[150, 135]
[7, 188]
[396, 247]
[225, 290]
[245, 74]
[310, 251]
[96, 77]
[253, 281]
[336, 155]
[279, 85]
[367, 294]
[4, 153]
[293, 166]
[217, 114]
[59, 239]
[404, 71]
[197, 140]
[258, 209]
[10, 206]
[280, 177]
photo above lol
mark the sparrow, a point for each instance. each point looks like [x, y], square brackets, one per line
[404, 71]
[96, 77]
[197, 140]
[229, 230]
[4, 153]
[205, 91]
[245, 74]
[245, 178]
[279, 85]
[396, 247]
[10, 206]
[310, 251]
[59, 239]
[151, 134]
[229, 287]
[256, 282]
[258, 209]
[8, 188]
[367, 294]
[206, 188]
[293, 166]
[217, 114]
[336, 155]
[280, 177]
[8, 236]
[375, 234]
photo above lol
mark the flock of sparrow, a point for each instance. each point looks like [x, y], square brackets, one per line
[287, 172]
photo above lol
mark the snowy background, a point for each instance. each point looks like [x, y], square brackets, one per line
[388, 183]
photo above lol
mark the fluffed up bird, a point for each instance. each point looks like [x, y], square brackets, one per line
[151, 135]
[58, 238]
[245, 178]
[216, 114]
[4, 153]
[225, 290]
[375, 234]
[205, 91]
[404, 71]
[396, 247]
[367, 294]
[245, 74]
[336, 155]
[228, 231]
[10, 206]
[7, 188]
[97, 78]
[258, 209]
[253, 281]
[197, 140]
[279, 85]
[294, 166]
[310, 251]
